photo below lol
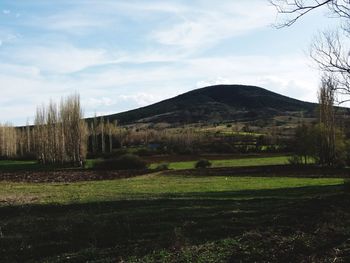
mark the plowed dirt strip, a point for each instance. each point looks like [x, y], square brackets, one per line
[66, 176]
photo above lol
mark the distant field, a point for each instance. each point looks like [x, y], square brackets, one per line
[8, 165]
[169, 218]
[21, 165]
[229, 162]
[148, 186]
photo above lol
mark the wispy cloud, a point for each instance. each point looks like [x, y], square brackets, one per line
[206, 26]
[60, 59]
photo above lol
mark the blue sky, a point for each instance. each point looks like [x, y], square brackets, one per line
[121, 55]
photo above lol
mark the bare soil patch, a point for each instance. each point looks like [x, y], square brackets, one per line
[18, 199]
[67, 175]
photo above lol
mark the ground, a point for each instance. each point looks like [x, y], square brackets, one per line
[176, 218]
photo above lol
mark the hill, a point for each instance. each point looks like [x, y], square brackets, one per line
[217, 103]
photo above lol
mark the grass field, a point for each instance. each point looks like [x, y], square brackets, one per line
[148, 186]
[229, 162]
[158, 218]
[10, 165]
[6, 165]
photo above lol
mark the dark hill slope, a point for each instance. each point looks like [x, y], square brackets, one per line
[216, 103]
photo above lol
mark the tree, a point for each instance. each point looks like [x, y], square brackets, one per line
[304, 143]
[60, 132]
[327, 120]
[299, 8]
[323, 142]
[8, 141]
[330, 50]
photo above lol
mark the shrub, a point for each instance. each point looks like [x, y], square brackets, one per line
[347, 185]
[124, 162]
[145, 152]
[203, 163]
[108, 155]
[162, 167]
[295, 160]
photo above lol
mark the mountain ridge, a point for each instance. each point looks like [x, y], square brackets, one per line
[216, 103]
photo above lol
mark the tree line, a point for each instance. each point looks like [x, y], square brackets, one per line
[326, 142]
[58, 136]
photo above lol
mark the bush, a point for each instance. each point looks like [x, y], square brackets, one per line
[162, 167]
[347, 185]
[146, 152]
[108, 155]
[295, 160]
[124, 162]
[204, 163]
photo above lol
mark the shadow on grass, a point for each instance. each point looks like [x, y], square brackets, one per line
[137, 227]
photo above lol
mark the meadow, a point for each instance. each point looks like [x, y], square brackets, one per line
[258, 161]
[168, 218]
[13, 165]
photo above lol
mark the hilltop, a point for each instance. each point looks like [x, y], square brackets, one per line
[217, 103]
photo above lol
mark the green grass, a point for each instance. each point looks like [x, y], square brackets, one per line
[6, 165]
[10, 165]
[229, 162]
[149, 186]
[158, 218]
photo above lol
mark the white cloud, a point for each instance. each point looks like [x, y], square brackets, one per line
[207, 25]
[141, 98]
[6, 12]
[212, 82]
[288, 74]
[98, 102]
[8, 36]
[72, 22]
[61, 59]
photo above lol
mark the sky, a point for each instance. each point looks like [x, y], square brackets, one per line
[120, 55]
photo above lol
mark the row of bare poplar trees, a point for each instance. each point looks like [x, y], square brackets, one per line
[59, 134]
[8, 140]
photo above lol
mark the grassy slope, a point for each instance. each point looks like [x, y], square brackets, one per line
[230, 162]
[181, 219]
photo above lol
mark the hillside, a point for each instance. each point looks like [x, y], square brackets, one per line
[217, 103]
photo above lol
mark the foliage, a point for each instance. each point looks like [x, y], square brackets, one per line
[203, 163]
[295, 160]
[308, 143]
[304, 143]
[162, 167]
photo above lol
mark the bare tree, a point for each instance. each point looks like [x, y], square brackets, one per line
[60, 132]
[295, 9]
[8, 140]
[327, 149]
[331, 50]
[102, 132]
